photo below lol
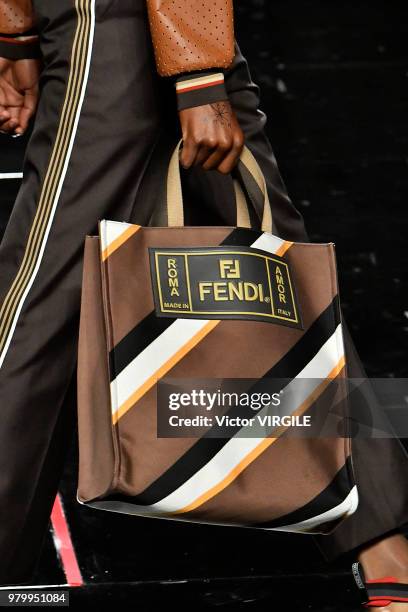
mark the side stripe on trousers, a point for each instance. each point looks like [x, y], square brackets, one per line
[54, 179]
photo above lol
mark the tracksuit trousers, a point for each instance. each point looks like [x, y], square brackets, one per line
[104, 132]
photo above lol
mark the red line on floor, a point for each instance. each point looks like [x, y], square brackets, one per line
[63, 544]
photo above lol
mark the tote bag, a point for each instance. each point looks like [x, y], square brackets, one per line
[212, 304]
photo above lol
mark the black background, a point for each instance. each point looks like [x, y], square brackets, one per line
[333, 78]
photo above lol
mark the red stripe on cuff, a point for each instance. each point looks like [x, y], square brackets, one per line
[16, 41]
[203, 86]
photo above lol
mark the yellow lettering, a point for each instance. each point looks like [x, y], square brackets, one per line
[280, 285]
[203, 290]
[172, 277]
[250, 292]
[235, 290]
[220, 290]
[229, 268]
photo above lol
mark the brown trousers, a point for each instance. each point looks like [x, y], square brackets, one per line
[104, 132]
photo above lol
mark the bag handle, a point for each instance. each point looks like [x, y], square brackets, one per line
[247, 169]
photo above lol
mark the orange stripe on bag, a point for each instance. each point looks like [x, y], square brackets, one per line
[284, 248]
[262, 446]
[120, 240]
[150, 382]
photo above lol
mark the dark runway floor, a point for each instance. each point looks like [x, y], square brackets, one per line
[333, 80]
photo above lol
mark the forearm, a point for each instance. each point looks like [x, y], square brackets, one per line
[18, 35]
[193, 43]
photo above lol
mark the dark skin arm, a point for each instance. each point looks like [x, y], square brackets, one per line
[211, 133]
[212, 137]
[18, 93]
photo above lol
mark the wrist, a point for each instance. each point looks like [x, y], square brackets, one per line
[20, 46]
[196, 89]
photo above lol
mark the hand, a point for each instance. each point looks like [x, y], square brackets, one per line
[212, 137]
[18, 93]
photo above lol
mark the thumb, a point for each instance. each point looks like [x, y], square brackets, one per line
[27, 110]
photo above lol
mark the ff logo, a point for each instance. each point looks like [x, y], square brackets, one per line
[223, 283]
[229, 268]
[223, 291]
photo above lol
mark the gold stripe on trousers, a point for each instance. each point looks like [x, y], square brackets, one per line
[67, 123]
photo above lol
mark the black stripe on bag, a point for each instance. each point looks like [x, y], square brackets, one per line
[151, 327]
[329, 498]
[207, 447]
[136, 341]
[242, 237]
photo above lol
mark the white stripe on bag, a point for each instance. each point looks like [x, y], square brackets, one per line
[237, 448]
[182, 331]
[347, 507]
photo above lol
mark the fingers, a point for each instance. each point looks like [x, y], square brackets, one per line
[221, 153]
[9, 115]
[19, 95]
[4, 116]
[225, 157]
[204, 152]
[189, 152]
[231, 159]
[210, 141]
[213, 153]
[9, 120]
[9, 107]
[27, 111]
[15, 119]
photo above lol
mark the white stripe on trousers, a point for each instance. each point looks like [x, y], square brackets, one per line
[60, 185]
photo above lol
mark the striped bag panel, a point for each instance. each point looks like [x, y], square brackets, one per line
[210, 480]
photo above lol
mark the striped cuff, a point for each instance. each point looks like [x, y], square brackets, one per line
[197, 88]
[20, 46]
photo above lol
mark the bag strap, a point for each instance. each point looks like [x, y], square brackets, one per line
[243, 218]
[247, 168]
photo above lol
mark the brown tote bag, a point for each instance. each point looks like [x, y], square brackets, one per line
[213, 304]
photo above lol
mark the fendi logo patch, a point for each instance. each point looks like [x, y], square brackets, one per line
[222, 283]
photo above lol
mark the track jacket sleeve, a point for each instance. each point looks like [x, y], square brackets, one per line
[193, 43]
[18, 35]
